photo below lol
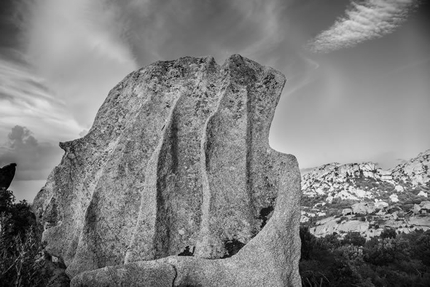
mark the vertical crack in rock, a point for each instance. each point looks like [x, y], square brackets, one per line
[167, 185]
[178, 156]
[225, 133]
[175, 276]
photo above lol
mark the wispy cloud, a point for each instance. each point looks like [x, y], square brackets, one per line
[160, 29]
[26, 100]
[82, 48]
[71, 53]
[301, 72]
[79, 49]
[271, 25]
[363, 21]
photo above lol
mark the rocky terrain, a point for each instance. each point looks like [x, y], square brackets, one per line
[365, 198]
[176, 163]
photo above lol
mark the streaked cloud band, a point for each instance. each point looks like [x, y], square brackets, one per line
[369, 20]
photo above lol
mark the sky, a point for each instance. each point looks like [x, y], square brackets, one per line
[358, 72]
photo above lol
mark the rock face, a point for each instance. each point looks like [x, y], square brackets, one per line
[7, 174]
[178, 159]
[415, 171]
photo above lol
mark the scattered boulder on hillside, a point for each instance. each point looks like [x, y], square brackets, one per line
[416, 209]
[363, 207]
[381, 205]
[347, 211]
[425, 205]
[394, 198]
[178, 159]
[422, 208]
[422, 193]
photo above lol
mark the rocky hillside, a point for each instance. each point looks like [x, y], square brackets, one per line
[363, 197]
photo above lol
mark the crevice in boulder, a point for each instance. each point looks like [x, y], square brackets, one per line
[188, 251]
[51, 215]
[265, 214]
[232, 247]
[176, 274]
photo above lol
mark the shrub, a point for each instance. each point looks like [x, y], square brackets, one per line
[388, 261]
[21, 261]
[21, 252]
[379, 252]
[388, 233]
[354, 238]
[422, 248]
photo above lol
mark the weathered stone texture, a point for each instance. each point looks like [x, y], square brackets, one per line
[178, 157]
[271, 258]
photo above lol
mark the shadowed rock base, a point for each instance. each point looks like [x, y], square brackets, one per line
[269, 259]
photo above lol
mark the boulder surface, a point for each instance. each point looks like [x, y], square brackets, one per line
[270, 259]
[178, 160]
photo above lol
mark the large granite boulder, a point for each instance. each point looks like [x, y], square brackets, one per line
[178, 160]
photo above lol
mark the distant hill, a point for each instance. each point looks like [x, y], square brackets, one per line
[363, 197]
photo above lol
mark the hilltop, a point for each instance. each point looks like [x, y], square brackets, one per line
[366, 198]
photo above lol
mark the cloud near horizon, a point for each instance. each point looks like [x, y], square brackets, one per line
[369, 20]
[34, 159]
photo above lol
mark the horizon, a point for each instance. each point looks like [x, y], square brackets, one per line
[357, 74]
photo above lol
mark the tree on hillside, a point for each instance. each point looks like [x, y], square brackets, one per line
[422, 248]
[388, 233]
[354, 238]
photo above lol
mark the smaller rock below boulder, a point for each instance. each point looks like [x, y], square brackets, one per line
[143, 273]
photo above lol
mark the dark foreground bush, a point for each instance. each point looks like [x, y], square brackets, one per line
[402, 260]
[22, 260]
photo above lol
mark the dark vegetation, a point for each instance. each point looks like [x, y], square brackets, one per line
[388, 260]
[187, 252]
[22, 259]
[232, 246]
